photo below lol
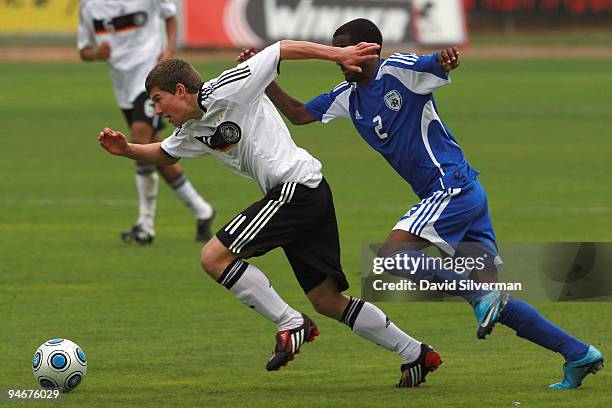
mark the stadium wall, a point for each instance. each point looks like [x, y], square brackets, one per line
[236, 23]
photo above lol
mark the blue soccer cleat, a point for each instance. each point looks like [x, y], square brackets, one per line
[575, 371]
[487, 310]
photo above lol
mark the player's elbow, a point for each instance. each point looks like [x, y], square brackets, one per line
[297, 121]
[301, 117]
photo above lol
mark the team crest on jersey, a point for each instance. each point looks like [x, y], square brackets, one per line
[225, 137]
[393, 100]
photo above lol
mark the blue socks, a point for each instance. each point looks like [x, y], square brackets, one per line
[520, 316]
[531, 325]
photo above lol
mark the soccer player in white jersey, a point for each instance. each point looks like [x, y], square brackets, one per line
[231, 119]
[129, 36]
[391, 104]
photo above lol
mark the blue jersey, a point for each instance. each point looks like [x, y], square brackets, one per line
[396, 114]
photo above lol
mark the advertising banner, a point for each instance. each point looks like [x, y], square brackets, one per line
[237, 23]
[38, 17]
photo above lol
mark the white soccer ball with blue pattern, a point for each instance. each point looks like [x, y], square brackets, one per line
[59, 364]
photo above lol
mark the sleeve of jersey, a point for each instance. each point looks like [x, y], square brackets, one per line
[180, 145]
[420, 74]
[168, 8]
[329, 106]
[85, 35]
[248, 81]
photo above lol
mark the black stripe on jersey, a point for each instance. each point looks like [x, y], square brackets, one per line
[222, 80]
[226, 74]
[126, 22]
[225, 79]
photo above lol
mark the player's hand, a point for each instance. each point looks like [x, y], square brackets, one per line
[448, 58]
[165, 54]
[114, 142]
[246, 54]
[351, 57]
[103, 52]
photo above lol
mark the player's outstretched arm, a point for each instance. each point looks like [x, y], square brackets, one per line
[116, 143]
[448, 58]
[349, 57]
[292, 108]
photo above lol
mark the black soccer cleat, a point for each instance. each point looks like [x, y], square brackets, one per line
[413, 374]
[138, 235]
[289, 342]
[203, 229]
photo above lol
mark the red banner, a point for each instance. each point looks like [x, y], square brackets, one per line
[204, 23]
[238, 23]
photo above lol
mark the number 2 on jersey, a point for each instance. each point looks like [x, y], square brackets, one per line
[378, 128]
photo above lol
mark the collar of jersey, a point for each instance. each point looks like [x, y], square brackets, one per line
[199, 98]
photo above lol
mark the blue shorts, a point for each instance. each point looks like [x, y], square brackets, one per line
[448, 218]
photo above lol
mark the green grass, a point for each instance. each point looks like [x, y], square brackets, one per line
[157, 332]
[577, 37]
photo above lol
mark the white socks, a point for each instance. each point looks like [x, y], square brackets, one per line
[147, 184]
[370, 322]
[187, 194]
[251, 286]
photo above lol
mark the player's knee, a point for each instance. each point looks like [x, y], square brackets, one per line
[215, 257]
[209, 260]
[490, 271]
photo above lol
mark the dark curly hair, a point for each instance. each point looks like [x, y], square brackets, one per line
[361, 30]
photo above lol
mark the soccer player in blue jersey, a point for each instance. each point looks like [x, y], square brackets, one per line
[392, 107]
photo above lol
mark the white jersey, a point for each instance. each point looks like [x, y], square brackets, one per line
[243, 130]
[135, 31]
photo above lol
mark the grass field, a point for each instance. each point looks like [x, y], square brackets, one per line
[158, 332]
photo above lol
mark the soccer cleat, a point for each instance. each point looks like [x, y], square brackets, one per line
[575, 371]
[288, 343]
[137, 234]
[413, 374]
[203, 229]
[487, 311]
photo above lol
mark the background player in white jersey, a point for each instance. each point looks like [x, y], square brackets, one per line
[391, 104]
[231, 119]
[129, 36]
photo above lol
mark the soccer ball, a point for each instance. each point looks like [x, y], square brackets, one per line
[60, 364]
